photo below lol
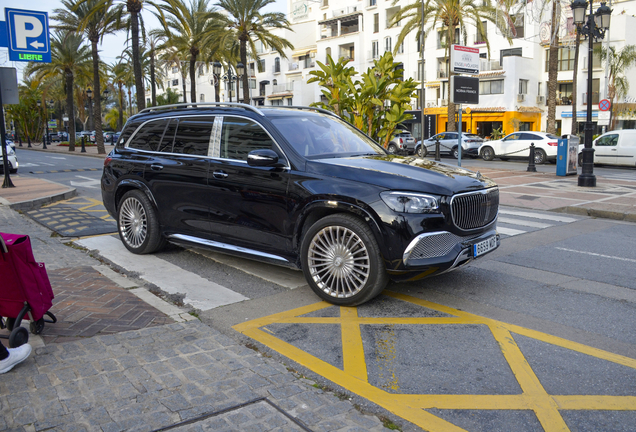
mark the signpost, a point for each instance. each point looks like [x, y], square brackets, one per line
[26, 34]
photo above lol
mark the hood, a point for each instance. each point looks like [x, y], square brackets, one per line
[402, 173]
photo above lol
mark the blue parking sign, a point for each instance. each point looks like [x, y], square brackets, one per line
[28, 35]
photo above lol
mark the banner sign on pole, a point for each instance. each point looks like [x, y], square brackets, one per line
[464, 89]
[464, 60]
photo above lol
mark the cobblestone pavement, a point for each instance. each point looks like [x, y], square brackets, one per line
[155, 377]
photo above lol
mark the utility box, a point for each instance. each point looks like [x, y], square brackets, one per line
[567, 155]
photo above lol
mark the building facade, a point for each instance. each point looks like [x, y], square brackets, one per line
[513, 75]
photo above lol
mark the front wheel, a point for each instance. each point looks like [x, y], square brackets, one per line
[539, 156]
[341, 260]
[422, 151]
[487, 153]
[138, 224]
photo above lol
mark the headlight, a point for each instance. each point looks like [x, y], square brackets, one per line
[409, 202]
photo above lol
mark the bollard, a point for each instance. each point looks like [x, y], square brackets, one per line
[112, 139]
[44, 142]
[531, 167]
[83, 145]
[19, 138]
[437, 150]
[29, 141]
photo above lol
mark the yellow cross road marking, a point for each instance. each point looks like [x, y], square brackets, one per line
[354, 375]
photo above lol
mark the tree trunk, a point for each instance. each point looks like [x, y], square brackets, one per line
[97, 101]
[129, 103]
[193, 82]
[153, 84]
[183, 84]
[245, 78]
[575, 129]
[139, 85]
[553, 70]
[70, 109]
[120, 119]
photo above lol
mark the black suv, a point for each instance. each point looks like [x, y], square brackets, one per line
[298, 187]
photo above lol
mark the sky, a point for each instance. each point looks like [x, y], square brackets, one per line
[112, 46]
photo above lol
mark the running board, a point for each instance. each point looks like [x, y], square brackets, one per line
[225, 246]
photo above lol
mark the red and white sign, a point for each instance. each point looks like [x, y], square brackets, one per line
[464, 60]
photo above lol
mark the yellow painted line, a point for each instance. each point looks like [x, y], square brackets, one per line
[393, 320]
[352, 348]
[596, 402]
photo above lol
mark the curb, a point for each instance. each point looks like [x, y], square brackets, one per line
[39, 202]
[603, 214]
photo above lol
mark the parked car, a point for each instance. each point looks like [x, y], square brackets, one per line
[614, 148]
[89, 136]
[58, 136]
[402, 142]
[448, 144]
[11, 157]
[111, 137]
[294, 187]
[517, 146]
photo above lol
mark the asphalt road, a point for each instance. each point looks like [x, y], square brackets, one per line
[537, 335]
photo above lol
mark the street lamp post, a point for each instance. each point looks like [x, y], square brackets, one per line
[46, 121]
[228, 77]
[590, 30]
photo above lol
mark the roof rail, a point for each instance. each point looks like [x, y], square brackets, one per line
[322, 110]
[203, 105]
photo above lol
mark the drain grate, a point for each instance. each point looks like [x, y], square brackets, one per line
[255, 411]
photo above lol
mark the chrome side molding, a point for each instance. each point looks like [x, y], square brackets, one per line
[225, 246]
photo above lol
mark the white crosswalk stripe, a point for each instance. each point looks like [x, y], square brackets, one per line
[525, 221]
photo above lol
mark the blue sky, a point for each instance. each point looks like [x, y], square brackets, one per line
[112, 46]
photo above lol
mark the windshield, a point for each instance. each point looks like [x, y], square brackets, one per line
[315, 136]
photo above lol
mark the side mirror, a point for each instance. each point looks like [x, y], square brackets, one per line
[263, 158]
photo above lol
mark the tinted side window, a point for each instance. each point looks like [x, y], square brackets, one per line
[129, 128]
[527, 136]
[451, 135]
[193, 136]
[149, 136]
[240, 136]
[168, 136]
[608, 140]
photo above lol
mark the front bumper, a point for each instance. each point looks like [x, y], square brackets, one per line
[444, 250]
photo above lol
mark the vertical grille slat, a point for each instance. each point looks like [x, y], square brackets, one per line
[475, 209]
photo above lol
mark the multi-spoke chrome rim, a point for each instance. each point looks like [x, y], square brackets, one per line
[338, 261]
[133, 223]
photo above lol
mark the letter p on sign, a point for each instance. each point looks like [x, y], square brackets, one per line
[22, 30]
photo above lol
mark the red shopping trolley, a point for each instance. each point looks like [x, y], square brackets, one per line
[25, 290]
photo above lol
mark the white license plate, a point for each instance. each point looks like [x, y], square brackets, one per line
[484, 246]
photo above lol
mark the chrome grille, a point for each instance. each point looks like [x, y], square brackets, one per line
[475, 209]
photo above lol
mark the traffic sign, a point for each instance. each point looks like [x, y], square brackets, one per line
[28, 35]
[604, 105]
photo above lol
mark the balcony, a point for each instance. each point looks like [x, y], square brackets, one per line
[283, 88]
[489, 65]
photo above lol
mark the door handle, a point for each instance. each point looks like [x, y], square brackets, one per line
[219, 174]
[156, 167]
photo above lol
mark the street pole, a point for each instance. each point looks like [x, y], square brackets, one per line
[587, 178]
[423, 99]
[5, 157]
[459, 140]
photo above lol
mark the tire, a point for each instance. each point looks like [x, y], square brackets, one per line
[539, 157]
[580, 159]
[487, 153]
[422, 151]
[138, 224]
[341, 260]
[18, 337]
[392, 149]
[36, 327]
[455, 153]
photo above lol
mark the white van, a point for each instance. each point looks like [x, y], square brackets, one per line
[617, 147]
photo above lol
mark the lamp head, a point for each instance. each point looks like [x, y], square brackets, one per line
[216, 68]
[604, 14]
[89, 93]
[240, 69]
[578, 10]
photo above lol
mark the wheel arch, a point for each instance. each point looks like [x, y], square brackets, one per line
[317, 210]
[127, 185]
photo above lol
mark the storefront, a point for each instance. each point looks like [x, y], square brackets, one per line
[483, 121]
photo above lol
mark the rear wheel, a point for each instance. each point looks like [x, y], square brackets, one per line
[487, 153]
[580, 159]
[138, 224]
[455, 153]
[422, 151]
[539, 156]
[392, 149]
[341, 260]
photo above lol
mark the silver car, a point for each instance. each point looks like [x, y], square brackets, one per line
[402, 142]
[448, 144]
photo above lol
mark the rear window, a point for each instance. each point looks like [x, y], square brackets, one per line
[193, 136]
[129, 128]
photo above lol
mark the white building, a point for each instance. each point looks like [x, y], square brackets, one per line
[513, 77]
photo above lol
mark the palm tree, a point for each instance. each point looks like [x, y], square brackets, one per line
[452, 14]
[192, 30]
[95, 19]
[248, 24]
[120, 74]
[618, 61]
[69, 56]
